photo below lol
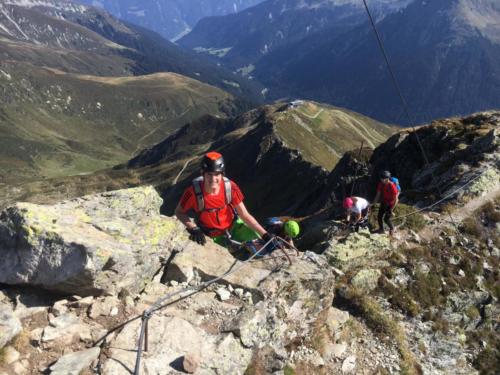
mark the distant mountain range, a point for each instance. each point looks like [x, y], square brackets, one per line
[444, 53]
[71, 99]
[241, 40]
[81, 39]
[170, 18]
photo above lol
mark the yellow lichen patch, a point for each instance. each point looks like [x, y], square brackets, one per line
[124, 240]
[37, 213]
[30, 234]
[485, 183]
[82, 216]
[139, 197]
[116, 202]
[157, 230]
[357, 245]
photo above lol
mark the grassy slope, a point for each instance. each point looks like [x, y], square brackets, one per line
[254, 143]
[324, 133]
[55, 124]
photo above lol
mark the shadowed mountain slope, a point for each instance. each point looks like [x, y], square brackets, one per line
[444, 54]
[241, 40]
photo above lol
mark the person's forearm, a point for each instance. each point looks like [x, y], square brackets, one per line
[184, 219]
[253, 224]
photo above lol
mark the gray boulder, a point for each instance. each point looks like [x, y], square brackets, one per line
[170, 340]
[294, 301]
[75, 363]
[356, 248]
[10, 326]
[210, 261]
[101, 244]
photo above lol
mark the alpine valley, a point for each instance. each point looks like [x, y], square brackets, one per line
[81, 91]
[170, 18]
[444, 53]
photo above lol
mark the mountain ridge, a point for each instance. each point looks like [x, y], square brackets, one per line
[306, 134]
[82, 39]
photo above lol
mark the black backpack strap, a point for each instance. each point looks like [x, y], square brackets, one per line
[198, 191]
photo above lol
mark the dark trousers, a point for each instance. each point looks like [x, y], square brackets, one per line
[385, 214]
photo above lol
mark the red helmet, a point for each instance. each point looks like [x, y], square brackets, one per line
[348, 203]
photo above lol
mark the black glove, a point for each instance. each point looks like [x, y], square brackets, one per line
[268, 236]
[196, 235]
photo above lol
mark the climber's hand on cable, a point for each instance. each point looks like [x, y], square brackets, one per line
[268, 236]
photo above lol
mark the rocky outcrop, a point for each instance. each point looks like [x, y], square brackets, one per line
[109, 243]
[202, 263]
[457, 150]
[356, 248]
[251, 318]
[351, 176]
[170, 340]
[225, 337]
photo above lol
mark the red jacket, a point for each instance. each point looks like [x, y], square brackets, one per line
[389, 192]
[218, 215]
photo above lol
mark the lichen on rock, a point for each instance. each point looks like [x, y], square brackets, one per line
[355, 247]
[107, 243]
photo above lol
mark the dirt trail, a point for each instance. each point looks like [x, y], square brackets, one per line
[471, 206]
[457, 216]
[182, 170]
[314, 116]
